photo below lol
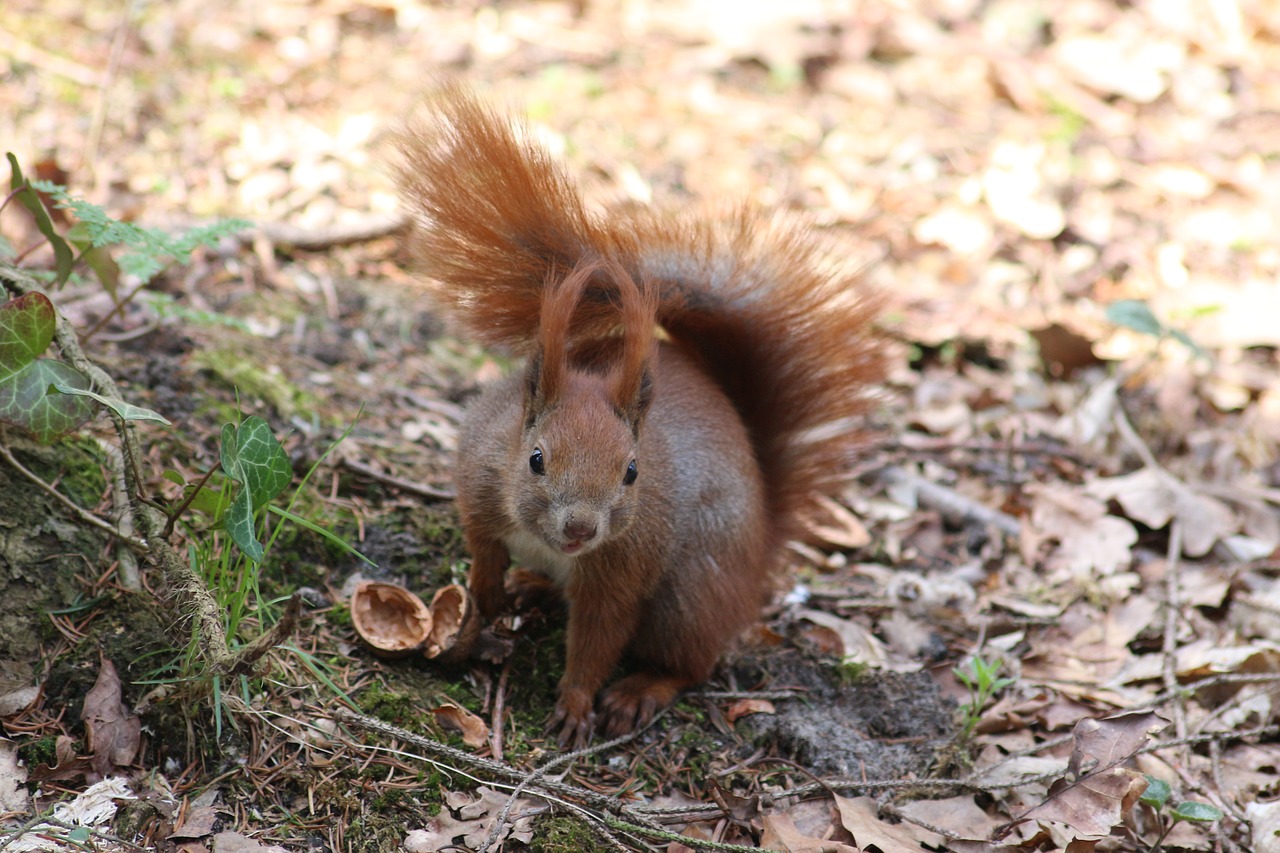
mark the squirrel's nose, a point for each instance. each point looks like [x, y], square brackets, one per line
[579, 531]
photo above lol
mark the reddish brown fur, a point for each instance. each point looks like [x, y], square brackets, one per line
[736, 423]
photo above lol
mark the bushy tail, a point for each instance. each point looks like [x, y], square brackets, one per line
[494, 218]
[786, 330]
[760, 302]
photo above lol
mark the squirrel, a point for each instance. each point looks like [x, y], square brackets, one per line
[693, 385]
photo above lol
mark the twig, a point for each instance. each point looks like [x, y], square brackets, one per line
[371, 228]
[1212, 681]
[951, 503]
[720, 695]
[81, 514]
[1172, 611]
[128, 560]
[1135, 442]
[396, 482]
[1215, 770]
[625, 818]
[892, 809]
[265, 642]
[499, 711]
[187, 501]
[495, 769]
[558, 761]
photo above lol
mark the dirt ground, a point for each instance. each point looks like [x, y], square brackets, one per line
[1073, 477]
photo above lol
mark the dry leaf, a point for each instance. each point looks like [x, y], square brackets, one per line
[13, 779]
[455, 718]
[960, 815]
[1093, 806]
[1107, 742]
[1090, 421]
[849, 640]
[841, 528]
[1264, 820]
[743, 707]
[1015, 190]
[1127, 60]
[113, 734]
[780, 833]
[1089, 540]
[961, 229]
[66, 766]
[198, 822]
[1100, 799]
[861, 817]
[1155, 497]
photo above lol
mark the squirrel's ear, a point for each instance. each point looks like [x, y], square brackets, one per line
[539, 387]
[632, 398]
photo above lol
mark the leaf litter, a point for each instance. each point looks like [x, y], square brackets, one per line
[1098, 508]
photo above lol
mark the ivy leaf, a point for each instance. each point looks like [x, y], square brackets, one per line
[253, 458]
[126, 411]
[26, 330]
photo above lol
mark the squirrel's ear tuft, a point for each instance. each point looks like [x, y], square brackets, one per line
[536, 388]
[635, 404]
[631, 388]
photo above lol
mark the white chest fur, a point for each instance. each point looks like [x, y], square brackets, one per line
[531, 552]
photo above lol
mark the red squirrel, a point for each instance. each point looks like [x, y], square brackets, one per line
[692, 385]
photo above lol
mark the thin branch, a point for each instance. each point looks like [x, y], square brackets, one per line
[396, 482]
[128, 560]
[83, 515]
[1173, 610]
[950, 502]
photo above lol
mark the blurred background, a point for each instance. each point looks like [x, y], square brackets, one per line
[1038, 158]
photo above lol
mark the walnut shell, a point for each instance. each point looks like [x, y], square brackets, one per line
[455, 625]
[389, 618]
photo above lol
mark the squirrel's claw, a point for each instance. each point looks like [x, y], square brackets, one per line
[574, 717]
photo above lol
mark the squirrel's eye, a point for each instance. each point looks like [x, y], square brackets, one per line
[535, 463]
[630, 477]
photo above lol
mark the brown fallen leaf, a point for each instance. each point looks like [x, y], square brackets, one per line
[1090, 541]
[743, 707]
[474, 821]
[1156, 497]
[780, 833]
[66, 764]
[200, 821]
[1090, 808]
[960, 815]
[840, 528]
[13, 779]
[1104, 743]
[860, 815]
[455, 718]
[1264, 818]
[1103, 793]
[113, 734]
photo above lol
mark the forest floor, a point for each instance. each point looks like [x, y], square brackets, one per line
[1053, 595]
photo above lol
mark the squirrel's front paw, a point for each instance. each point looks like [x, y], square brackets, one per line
[530, 590]
[574, 716]
[632, 702]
